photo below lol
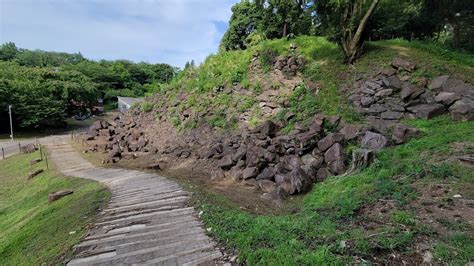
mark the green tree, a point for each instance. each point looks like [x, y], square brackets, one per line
[8, 51]
[347, 20]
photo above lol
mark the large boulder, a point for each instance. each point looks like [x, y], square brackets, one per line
[463, 109]
[28, 148]
[438, 83]
[267, 174]
[249, 172]
[394, 83]
[326, 142]
[226, 162]
[403, 64]
[349, 131]
[391, 115]
[373, 141]
[427, 111]
[402, 133]
[334, 158]
[446, 98]
[268, 128]
[296, 181]
[459, 87]
[410, 92]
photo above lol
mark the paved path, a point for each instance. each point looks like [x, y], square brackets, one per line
[147, 221]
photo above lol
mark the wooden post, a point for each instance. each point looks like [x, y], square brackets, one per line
[72, 134]
[41, 152]
[3, 153]
[46, 160]
[19, 147]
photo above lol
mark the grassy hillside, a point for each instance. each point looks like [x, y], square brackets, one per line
[343, 219]
[401, 209]
[33, 232]
[224, 86]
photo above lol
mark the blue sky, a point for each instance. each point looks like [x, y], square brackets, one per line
[156, 31]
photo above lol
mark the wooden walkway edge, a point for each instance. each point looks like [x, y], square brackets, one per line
[147, 221]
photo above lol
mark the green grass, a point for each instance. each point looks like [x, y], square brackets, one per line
[328, 214]
[33, 232]
[209, 86]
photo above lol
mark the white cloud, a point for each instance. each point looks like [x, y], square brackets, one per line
[171, 31]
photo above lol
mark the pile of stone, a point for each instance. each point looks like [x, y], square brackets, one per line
[390, 96]
[119, 138]
[285, 164]
[287, 64]
[278, 164]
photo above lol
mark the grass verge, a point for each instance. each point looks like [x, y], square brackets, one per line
[329, 229]
[33, 232]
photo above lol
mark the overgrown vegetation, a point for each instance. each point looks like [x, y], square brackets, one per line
[327, 228]
[33, 232]
[213, 87]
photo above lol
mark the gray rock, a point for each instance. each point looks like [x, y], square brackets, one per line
[28, 148]
[427, 111]
[402, 133]
[249, 172]
[380, 125]
[391, 115]
[410, 91]
[384, 93]
[459, 87]
[267, 174]
[463, 109]
[403, 64]
[389, 72]
[349, 131]
[375, 109]
[367, 101]
[239, 154]
[394, 83]
[335, 153]
[226, 162]
[373, 141]
[295, 181]
[437, 83]
[447, 98]
[326, 142]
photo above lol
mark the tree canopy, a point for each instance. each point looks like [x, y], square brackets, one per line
[46, 87]
[351, 23]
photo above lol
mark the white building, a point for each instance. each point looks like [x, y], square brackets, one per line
[124, 103]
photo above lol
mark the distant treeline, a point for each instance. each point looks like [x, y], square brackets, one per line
[46, 87]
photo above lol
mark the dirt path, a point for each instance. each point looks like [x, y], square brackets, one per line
[147, 221]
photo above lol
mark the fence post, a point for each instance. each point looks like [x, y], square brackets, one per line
[19, 147]
[72, 134]
[3, 153]
[41, 152]
[46, 160]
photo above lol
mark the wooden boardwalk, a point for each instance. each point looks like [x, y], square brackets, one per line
[147, 221]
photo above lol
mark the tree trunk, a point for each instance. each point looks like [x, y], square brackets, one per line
[285, 29]
[352, 45]
[456, 34]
